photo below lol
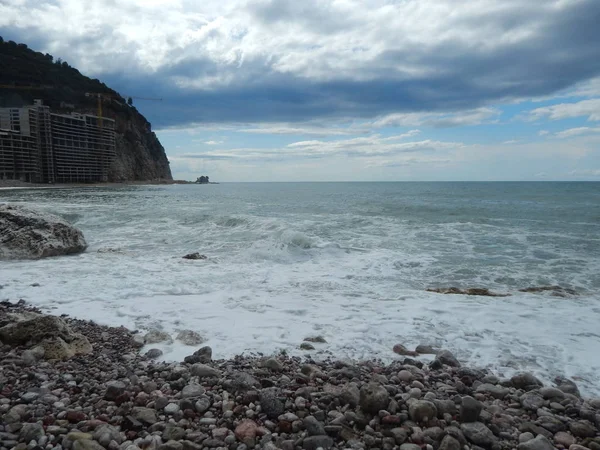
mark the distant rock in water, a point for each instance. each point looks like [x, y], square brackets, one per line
[557, 291]
[471, 291]
[195, 256]
[29, 234]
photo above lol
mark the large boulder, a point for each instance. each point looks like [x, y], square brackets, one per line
[28, 234]
[50, 335]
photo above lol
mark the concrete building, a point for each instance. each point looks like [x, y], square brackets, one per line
[37, 145]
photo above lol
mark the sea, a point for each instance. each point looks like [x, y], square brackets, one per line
[350, 262]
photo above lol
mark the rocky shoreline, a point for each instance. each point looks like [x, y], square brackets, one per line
[101, 393]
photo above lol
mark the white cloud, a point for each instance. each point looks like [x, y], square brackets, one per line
[589, 108]
[213, 142]
[438, 120]
[543, 133]
[576, 132]
[510, 142]
[585, 173]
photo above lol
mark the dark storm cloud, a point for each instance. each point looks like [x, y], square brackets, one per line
[533, 51]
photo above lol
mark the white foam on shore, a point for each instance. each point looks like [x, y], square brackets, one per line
[358, 281]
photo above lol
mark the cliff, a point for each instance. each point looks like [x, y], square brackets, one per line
[26, 75]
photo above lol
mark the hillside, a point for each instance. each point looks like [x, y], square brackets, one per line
[33, 75]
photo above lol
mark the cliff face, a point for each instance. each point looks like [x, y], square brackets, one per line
[140, 155]
[33, 75]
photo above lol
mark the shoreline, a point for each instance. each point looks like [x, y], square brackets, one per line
[110, 396]
[14, 184]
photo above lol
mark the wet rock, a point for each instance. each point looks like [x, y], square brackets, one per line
[316, 339]
[173, 432]
[31, 432]
[306, 346]
[156, 336]
[189, 337]
[532, 401]
[426, 350]
[422, 411]
[313, 426]
[525, 381]
[373, 398]
[551, 423]
[246, 432]
[447, 358]
[154, 353]
[470, 409]
[470, 291]
[273, 364]
[564, 439]
[478, 434]
[204, 371]
[270, 403]
[582, 429]
[551, 393]
[350, 395]
[450, 443]
[538, 443]
[30, 234]
[195, 256]
[493, 390]
[316, 442]
[114, 389]
[400, 349]
[567, 386]
[202, 355]
[104, 434]
[144, 415]
[192, 390]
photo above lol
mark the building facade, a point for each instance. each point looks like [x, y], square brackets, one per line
[37, 145]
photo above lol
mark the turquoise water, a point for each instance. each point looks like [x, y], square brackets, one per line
[350, 261]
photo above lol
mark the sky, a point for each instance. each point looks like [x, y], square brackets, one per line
[344, 90]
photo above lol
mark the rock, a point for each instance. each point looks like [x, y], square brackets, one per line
[156, 336]
[564, 439]
[173, 433]
[316, 442]
[192, 390]
[31, 328]
[582, 429]
[493, 390]
[313, 426]
[104, 434]
[86, 444]
[171, 445]
[31, 432]
[273, 364]
[306, 346]
[316, 339]
[551, 393]
[578, 447]
[270, 403]
[525, 381]
[532, 401]
[524, 437]
[350, 395]
[202, 405]
[144, 415]
[450, 443]
[189, 337]
[470, 291]
[113, 390]
[567, 386]
[78, 436]
[171, 408]
[29, 234]
[59, 349]
[203, 355]
[154, 353]
[405, 375]
[470, 409]
[246, 432]
[538, 443]
[32, 356]
[399, 434]
[551, 423]
[195, 256]
[204, 371]
[426, 350]
[478, 434]
[402, 350]
[447, 358]
[373, 398]
[422, 411]
[410, 447]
